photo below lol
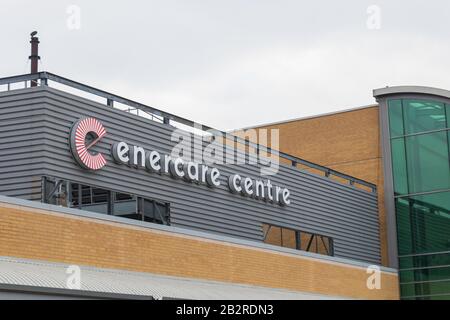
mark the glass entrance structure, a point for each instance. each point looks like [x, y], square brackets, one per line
[418, 148]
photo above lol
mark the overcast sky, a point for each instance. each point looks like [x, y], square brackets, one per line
[232, 64]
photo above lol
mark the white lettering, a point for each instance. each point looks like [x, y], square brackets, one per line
[285, 197]
[191, 171]
[212, 177]
[120, 152]
[152, 161]
[137, 156]
[175, 168]
[269, 190]
[259, 189]
[247, 187]
[234, 183]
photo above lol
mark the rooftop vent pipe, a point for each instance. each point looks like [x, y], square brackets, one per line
[34, 55]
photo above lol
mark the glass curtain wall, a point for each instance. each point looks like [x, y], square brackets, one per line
[420, 149]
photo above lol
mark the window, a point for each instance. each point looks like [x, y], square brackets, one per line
[300, 240]
[423, 116]
[153, 211]
[125, 205]
[424, 223]
[399, 171]
[447, 106]
[420, 149]
[396, 118]
[427, 159]
[75, 195]
[88, 198]
[420, 143]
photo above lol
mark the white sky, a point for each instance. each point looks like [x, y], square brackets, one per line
[232, 64]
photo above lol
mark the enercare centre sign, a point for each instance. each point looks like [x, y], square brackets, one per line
[153, 161]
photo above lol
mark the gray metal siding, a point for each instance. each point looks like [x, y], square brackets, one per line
[43, 118]
[21, 143]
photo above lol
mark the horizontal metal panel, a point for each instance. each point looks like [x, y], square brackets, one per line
[178, 193]
[319, 204]
[320, 194]
[59, 152]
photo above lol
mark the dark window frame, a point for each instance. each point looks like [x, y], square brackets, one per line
[298, 234]
[52, 186]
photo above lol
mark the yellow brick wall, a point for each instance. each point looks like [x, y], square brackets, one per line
[348, 142]
[37, 234]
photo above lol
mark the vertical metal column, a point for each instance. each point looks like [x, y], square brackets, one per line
[34, 57]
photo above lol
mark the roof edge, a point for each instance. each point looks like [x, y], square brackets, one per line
[308, 117]
[411, 90]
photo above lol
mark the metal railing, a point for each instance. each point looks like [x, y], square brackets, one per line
[43, 78]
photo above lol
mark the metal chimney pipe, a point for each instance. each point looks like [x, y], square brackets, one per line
[34, 55]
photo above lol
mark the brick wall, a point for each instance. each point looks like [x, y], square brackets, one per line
[348, 142]
[37, 234]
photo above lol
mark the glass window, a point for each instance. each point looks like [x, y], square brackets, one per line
[55, 191]
[125, 205]
[324, 245]
[92, 199]
[427, 162]
[448, 115]
[154, 211]
[426, 288]
[289, 238]
[311, 245]
[429, 260]
[306, 241]
[421, 116]
[99, 195]
[75, 195]
[272, 235]
[300, 240]
[421, 164]
[437, 297]
[423, 223]
[399, 166]
[403, 226]
[395, 118]
[425, 274]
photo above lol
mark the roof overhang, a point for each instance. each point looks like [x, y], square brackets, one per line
[411, 90]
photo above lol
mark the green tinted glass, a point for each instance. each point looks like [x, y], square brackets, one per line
[395, 118]
[403, 226]
[399, 166]
[428, 162]
[423, 223]
[425, 289]
[448, 115]
[421, 116]
[431, 260]
[437, 297]
[425, 274]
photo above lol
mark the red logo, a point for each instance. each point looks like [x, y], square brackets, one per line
[85, 134]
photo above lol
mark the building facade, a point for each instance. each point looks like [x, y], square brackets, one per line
[400, 144]
[416, 136]
[95, 184]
